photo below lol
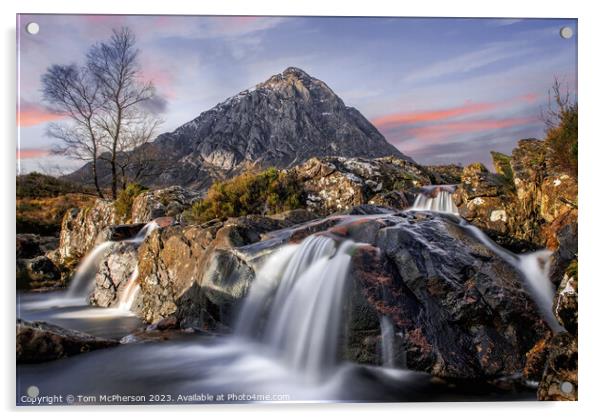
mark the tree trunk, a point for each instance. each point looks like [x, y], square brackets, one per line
[95, 174]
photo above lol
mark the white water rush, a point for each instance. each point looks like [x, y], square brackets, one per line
[437, 198]
[304, 285]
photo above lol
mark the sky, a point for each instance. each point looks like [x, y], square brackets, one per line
[440, 90]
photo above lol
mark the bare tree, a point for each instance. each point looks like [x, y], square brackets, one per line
[71, 91]
[134, 166]
[114, 66]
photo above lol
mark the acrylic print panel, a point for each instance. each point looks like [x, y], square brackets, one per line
[241, 209]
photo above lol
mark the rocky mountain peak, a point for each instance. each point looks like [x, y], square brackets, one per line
[282, 122]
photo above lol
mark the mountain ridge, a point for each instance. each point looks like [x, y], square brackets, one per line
[281, 122]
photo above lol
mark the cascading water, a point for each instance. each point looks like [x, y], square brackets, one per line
[83, 280]
[387, 337]
[438, 198]
[535, 268]
[306, 284]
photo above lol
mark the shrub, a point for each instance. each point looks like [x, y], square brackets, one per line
[44, 215]
[267, 192]
[561, 120]
[125, 199]
[37, 185]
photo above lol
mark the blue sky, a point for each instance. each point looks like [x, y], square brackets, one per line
[441, 90]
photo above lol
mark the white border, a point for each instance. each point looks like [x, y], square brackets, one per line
[590, 140]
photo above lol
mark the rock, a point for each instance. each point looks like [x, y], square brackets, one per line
[536, 360]
[41, 342]
[38, 272]
[282, 122]
[30, 245]
[337, 184]
[445, 174]
[114, 273]
[80, 229]
[566, 300]
[525, 205]
[462, 310]
[171, 202]
[559, 381]
[119, 232]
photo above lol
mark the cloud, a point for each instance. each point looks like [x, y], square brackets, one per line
[32, 153]
[29, 114]
[432, 115]
[441, 131]
[473, 60]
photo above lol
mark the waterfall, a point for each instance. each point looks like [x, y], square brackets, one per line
[304, 286]
[387, 337]
[535, 268]
[83, 280]
[438, 198]
[130, 292]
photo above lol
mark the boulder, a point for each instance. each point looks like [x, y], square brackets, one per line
[461, 310]
[30, 245]
[38, 272]
[171, 201]
[337, 184]
[39, 342]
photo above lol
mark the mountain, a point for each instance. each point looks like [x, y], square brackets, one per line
[281, 122]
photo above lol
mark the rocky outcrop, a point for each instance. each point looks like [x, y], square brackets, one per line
[337, 184]
[198, 272]
[526, 204]
[460, 309]
[444, 174]
[80, 230]
[170, 202]
[281, 122]
[41, 342]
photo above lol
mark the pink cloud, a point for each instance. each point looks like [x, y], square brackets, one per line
[440, 131]
[29, 114]
[32, 153]
[432, 115]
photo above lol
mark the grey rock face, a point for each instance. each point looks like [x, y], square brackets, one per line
[282, 122]
[170, 202]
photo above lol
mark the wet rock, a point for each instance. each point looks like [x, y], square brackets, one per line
[462, 310]
[41, 342]
[114, 273]
[119, 232]
[171, 202]
[337, 184]
[559, 381]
